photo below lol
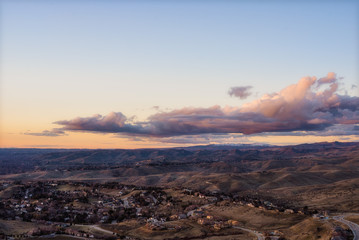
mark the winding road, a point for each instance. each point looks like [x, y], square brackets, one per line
[98, 228]
[353, 226]
[101, 229]
[259, 235]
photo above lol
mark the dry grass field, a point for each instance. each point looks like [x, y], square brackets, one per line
[309, 229]
[353, 218]
[256, 219]
[16, 227]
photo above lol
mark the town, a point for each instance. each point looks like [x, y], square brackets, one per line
[79, 208]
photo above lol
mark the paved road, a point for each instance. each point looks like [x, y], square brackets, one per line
[353, 226]
[97, 228]
[101, 229]
[259, 235]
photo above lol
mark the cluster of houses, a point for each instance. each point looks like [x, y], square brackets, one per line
[92, 203]
[87, 204]
[217, 223]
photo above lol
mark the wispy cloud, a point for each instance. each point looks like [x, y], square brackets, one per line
[48, 133]
[298, 107]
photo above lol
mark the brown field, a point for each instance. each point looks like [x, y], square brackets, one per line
[16, 227]
[353, 218]
[309, 229]
[256, 219]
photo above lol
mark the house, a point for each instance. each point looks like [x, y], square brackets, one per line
[233, 222]
[174, 217]
[195, 213]
[220, 225]
[289, 211]
[205, 221]
[201, 195]
[212, 199]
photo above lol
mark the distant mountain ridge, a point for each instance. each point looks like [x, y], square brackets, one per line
[226, 147]
[210, 158]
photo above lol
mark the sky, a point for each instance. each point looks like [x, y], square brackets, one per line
[138, 74]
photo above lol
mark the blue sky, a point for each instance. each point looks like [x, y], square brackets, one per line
[68, 59]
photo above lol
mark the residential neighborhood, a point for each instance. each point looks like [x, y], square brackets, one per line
[59, 205]
[79, 208]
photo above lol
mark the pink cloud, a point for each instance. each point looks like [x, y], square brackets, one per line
[330, 78]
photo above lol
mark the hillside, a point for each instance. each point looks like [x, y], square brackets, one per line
[317, 175]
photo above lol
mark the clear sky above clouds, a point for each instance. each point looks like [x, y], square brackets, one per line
[131, 61]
